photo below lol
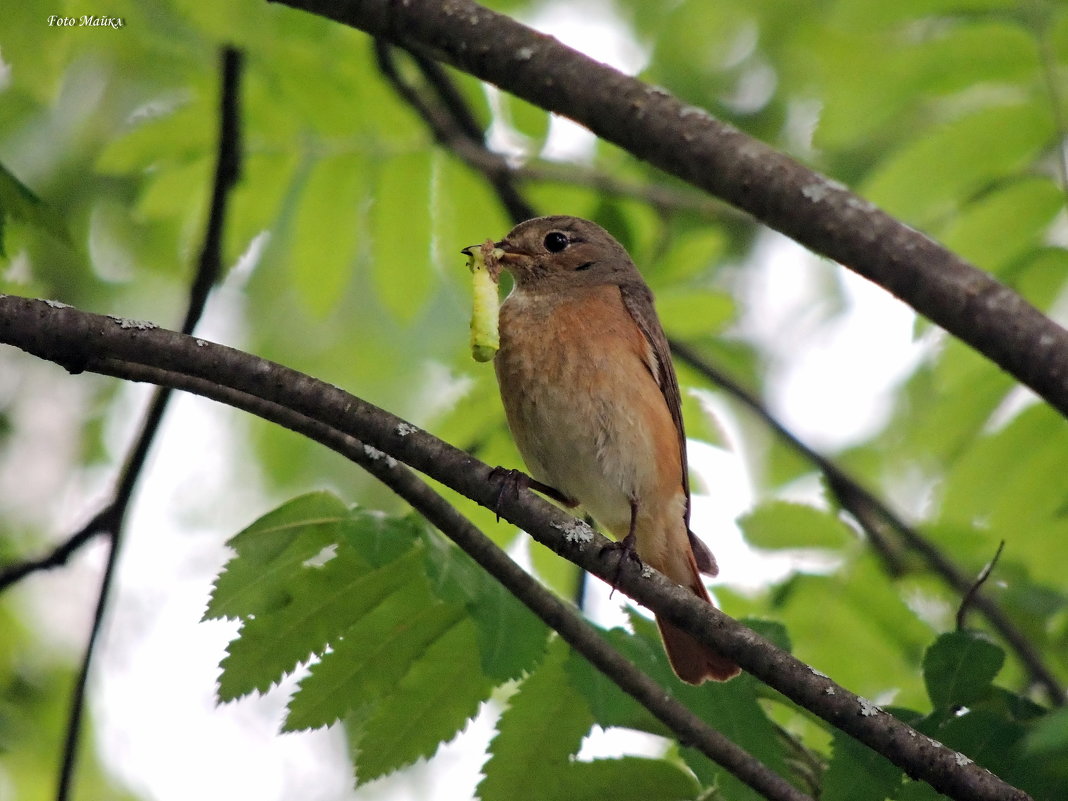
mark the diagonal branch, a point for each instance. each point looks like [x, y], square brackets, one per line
[690, 144]
[118, 348]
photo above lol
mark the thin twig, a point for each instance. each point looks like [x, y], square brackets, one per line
[973, 591]
[111, 520]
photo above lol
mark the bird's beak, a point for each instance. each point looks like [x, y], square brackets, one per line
[512, 254]
[467, 250]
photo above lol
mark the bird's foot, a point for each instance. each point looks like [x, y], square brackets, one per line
[515, 480]
[627, 552]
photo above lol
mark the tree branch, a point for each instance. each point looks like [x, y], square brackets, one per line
[129, 350]
[688, 143]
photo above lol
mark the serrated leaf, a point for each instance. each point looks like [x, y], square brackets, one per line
[428, 706]
[985, 737]
[271, 551]
[733, 707]
[546, 711]
[373, 655]
[511, 638]
[627, 779]
[959, 667]
[857, 605]
[784, 524]
[322, 603]
[611, 706]
[379, 538]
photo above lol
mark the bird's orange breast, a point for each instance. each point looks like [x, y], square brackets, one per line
[583, 405]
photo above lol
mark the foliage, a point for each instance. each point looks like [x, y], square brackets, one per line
[343, 262]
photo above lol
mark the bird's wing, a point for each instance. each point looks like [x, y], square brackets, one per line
[638, 300]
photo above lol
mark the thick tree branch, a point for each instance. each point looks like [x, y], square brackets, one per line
[128, 350]
[688, 143]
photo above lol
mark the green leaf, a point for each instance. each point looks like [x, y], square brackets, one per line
[562, 576]
[985, 737]
[732, 706]
[784, 524]
[528, 119]
[954, 161]
[690, 312]
[692, 254]
[1001, 227]
[19, 203]
[401, 267]
[271, 551]
[328, 223]
[1049, 735]
[382, 539]
[627, 779]
[857, 773]
[996, 479]
[857, 610]
[959, 667]
[609, 704]
[545, 711]
[322, 603]
[371, 658]
[428, 706]
[511, 638]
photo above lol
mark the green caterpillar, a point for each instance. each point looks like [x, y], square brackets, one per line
[482, 261]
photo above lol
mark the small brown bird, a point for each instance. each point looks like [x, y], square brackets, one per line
[593, 404]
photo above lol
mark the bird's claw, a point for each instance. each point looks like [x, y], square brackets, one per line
[512, 480]
[627, 552]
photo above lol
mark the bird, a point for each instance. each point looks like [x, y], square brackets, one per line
[593, 404]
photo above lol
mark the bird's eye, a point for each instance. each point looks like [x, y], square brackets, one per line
[555, 241]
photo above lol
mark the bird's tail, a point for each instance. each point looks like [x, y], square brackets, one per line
[693, 661]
